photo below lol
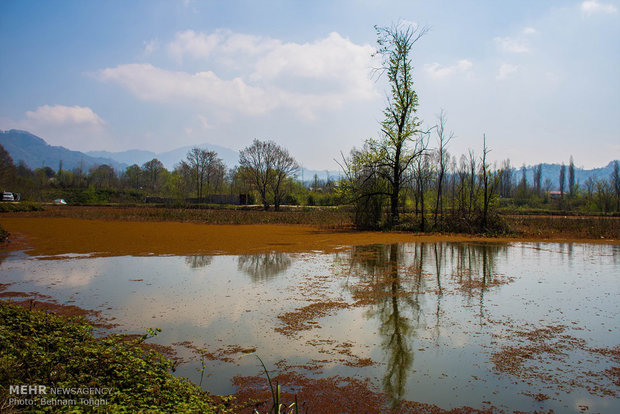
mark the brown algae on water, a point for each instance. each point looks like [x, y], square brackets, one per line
[452, 325]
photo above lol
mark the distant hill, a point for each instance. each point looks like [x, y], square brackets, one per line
[36, 153]
[170, 158]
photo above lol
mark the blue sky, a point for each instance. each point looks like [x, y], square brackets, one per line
[540, 78]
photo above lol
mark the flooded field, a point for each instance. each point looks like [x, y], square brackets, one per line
[521, 326]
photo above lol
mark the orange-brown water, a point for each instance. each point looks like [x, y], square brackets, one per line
[58, 236]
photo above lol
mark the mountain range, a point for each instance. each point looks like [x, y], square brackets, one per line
[36, 153]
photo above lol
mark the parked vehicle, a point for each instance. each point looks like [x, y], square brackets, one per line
[60, 202]
[6, 196]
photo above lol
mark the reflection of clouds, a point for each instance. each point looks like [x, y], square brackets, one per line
[70, 273]
[197, 262]
[262, 267]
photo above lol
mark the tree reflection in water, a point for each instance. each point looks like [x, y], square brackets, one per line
[197, 262]
[393, 281]
[265, 266]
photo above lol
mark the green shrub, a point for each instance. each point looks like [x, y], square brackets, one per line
[45, 349]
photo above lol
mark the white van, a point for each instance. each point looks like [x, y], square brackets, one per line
[6, 196]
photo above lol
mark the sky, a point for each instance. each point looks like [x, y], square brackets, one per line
[540, 78]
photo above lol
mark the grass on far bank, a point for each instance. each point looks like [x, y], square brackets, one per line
[315, 216]
[14, 207]
[530, 226]
[40, 348]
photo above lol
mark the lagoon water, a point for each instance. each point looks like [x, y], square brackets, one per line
[520, 326]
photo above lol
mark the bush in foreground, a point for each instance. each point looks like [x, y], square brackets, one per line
[45, 349]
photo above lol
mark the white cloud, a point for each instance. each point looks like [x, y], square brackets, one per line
[324, 74]
[593, 6]
[505, 71]
[150, 83]
[150, 47]
[203, 122]
[437, 71]
[334, 58]
[60, 115]
[511, 45]
[196, 45]
[529, 31]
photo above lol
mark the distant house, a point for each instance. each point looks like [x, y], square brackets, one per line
[555, 194]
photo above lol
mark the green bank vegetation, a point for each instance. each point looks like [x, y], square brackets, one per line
[42, 348]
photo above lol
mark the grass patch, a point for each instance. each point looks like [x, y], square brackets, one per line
[317, 216]
[46, 349]
[19, 207]
[578, 227]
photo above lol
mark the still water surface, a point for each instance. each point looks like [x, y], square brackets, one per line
[451, 324]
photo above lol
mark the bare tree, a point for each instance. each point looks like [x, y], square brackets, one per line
[422, 174]
[266, 165]
[488, 183]
[472, 181]
[442, 143]
[202, 163]
[505, 187]
[284, 165]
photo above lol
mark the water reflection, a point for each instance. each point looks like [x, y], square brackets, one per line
[263, 267]
[393, 281]
[198, 262]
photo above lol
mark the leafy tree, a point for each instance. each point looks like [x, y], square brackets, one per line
[393, 153]
[615, 182]
[8, 172]
[151, 173]
[571, 177]
[133, 176]
[537, 178]
[102, 176]
[562, 179]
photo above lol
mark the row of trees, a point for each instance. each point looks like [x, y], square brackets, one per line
[593, 195]
[264, 167]
[401, 162]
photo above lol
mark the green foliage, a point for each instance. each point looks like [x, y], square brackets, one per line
[43, 348]
[92, 195]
